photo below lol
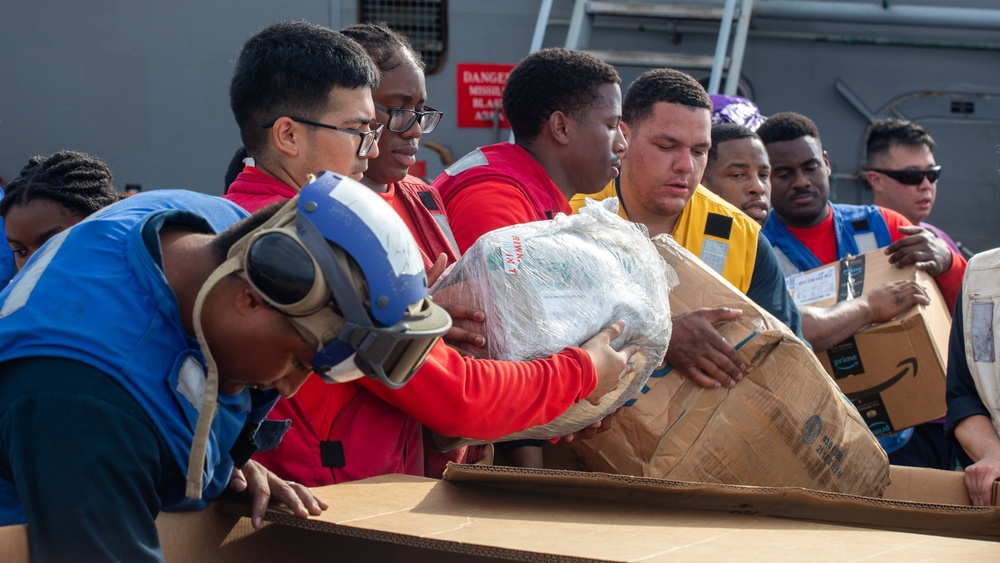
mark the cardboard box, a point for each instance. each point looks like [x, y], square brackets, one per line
[893, 372]
[484, 514]
[786, 424]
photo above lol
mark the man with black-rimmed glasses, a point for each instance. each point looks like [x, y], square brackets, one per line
[301, 96]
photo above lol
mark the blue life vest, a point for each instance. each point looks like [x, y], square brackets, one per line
[859, 229]
[95, 294]
[7, 268]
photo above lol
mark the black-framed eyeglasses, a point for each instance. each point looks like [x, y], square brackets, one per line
[911, 177]
[368, 138]
[400, 120]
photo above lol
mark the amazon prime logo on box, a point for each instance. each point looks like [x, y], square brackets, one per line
[845, 359]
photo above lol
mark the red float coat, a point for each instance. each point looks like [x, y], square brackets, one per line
[497, 186]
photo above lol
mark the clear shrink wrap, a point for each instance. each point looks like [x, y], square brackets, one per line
[548, 285]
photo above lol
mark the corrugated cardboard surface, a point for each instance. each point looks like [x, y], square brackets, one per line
[893, 372]
[785, 424]
[494, 514]
[927, 501]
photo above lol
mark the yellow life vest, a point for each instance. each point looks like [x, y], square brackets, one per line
[721, 235]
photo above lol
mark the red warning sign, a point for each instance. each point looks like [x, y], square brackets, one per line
[479, 90]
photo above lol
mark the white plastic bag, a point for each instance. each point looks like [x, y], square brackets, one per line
[548, 285]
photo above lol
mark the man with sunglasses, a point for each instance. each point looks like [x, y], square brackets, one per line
[141, 386]
[902, 172]
[808, 231]
[900, 168]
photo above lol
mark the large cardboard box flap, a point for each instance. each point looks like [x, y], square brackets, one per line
[785, 424]
[927, 501]
[497, 514]
[893, 372]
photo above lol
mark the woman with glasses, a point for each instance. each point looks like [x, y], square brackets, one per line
[402, 112]
[401, 106]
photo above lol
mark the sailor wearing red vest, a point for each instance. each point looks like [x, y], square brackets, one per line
[564, 108]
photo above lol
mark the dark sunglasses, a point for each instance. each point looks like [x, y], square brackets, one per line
[400, 120]
[368, 138]
[911, 177]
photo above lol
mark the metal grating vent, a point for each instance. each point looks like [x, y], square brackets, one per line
[424, 22]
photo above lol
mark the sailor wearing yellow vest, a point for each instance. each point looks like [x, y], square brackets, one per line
[666, 119]
[710, 227]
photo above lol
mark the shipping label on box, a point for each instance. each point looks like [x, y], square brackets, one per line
[893, 372]
[826, 285]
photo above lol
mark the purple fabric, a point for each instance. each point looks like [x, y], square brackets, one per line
[943, 236]
[735, 109]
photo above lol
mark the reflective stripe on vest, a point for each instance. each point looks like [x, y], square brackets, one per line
[708, 227]
[858, 229]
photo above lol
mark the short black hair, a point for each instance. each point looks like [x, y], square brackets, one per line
[883, 134]
[77, 181]
[551, 80]
[723, 132]
[662, 85]
[383, 44]
[786, 126]
[227, 238]
[289, 69]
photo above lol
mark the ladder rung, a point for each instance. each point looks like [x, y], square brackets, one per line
[653, 59]
[657, 10]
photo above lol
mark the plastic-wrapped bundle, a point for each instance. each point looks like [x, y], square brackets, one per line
[551, 284]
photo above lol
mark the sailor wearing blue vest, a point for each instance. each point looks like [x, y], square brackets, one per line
[7, 269]
[139, 352]
[808, 231]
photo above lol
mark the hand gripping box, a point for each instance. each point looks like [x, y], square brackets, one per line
[786, 424]
[893, 372]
